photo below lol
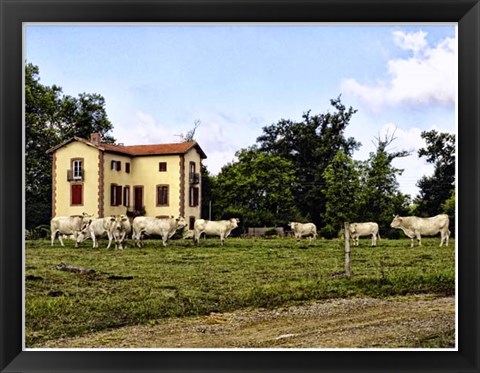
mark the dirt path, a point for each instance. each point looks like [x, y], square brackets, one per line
[413, 321]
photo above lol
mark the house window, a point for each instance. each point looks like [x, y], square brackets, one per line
[162, 166]
[115, 195]
[193, 200]
[77, 194]
[192, 167]
[126, 196]
[127, 167]
[77, 169]
[162, 195]
[116, 165]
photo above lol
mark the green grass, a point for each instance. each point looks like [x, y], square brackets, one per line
[139, 286]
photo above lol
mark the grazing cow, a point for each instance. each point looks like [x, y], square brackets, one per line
[299, 230]
[74, 224]
[221, 228]
[364, 229]
[121, 228]
[164, 227]
[98, 228]
[414, 226]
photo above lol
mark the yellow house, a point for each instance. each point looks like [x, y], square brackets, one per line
[103, 179]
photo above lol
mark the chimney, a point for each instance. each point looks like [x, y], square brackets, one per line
[95, 138]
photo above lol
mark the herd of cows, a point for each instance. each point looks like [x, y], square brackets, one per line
[118, 227]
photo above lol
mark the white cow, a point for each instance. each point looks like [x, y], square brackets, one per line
[414, 226]
[74, 224]
[98, 228]
[303, 229]
[121, 228]
[164, 227]
[358, 230]
[221, 228]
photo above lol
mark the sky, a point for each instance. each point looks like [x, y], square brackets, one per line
[159, 79]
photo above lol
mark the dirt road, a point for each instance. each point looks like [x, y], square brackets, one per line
[401, 322]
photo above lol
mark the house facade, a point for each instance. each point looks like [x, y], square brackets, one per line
[102, 179]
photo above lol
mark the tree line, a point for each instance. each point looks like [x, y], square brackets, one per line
[305, 171]
[297, 170]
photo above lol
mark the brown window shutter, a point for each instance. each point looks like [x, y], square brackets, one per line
[119, 195]
[112, 195]
[127, 167]
[195, 196]
[119, 166]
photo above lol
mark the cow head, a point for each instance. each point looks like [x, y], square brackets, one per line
[181, 223]
[352, 227]
[396, 222]
[234, 222]
[292, 224]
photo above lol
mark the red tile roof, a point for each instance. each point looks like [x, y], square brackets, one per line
[139, 150]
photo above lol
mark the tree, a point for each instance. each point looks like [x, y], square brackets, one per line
[258, 187]
[342, 188]
[41, 120]
[50, 118]
[381, 197]
[310, 146]
[435, 190]
[190, 136]
[208, 187]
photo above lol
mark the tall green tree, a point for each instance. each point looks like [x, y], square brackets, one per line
[381, 197]
[310, 146]
[435, 190]
[342, 188]
[50, 118]
[257, 188]
[208, 187]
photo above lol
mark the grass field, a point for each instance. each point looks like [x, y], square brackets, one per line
[140, 286]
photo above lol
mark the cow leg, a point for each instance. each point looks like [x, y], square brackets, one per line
[222, 238]
[374, 240]
[138, 238]
[164, 240]
[110, 238]
[419, 238]
[94, 239]
[122, 238]
[54, 233]
[60, 239]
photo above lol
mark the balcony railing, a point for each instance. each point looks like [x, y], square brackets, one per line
[79, 176]
[194, 178]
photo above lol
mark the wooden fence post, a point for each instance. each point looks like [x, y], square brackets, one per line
[347, 249]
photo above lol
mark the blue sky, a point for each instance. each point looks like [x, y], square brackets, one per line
[158, 79]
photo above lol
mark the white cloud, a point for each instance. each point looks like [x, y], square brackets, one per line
[220, 136]
[428, 76]
[142, 128]
[414, 41]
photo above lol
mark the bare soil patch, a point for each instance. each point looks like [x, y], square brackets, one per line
[419, 321]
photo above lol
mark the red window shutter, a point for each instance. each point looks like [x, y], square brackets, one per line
[77, 194]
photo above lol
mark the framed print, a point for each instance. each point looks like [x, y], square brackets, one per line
[97, 174]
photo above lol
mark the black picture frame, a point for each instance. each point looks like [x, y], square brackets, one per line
[14, 12]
